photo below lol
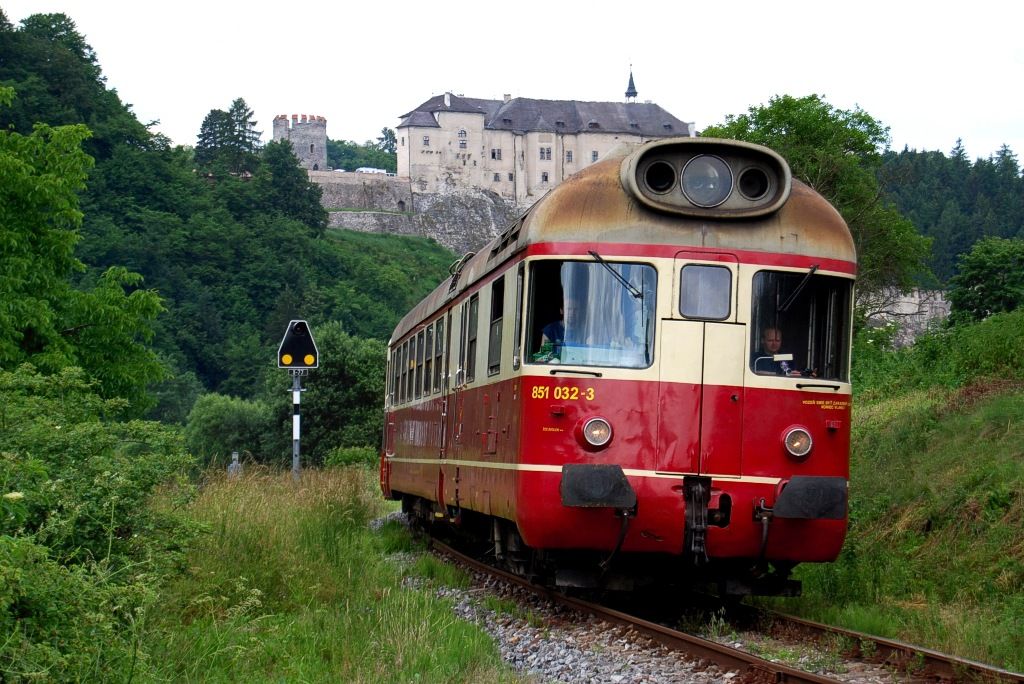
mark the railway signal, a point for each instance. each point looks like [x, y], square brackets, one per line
[298, 354]
[297, 349]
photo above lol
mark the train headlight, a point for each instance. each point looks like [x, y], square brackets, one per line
[798, 442]
[597, 432]
[706, 181]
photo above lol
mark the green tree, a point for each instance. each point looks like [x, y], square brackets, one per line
[387, 142]
[215, 136]
[990, 280]
[44, 319]
[349, 156]
[229, 139]
[39, 220]
[838, 153]
[283, 186]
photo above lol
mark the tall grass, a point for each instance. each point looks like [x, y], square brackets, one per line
[290, 584]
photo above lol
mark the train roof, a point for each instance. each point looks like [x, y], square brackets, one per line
[619, 200]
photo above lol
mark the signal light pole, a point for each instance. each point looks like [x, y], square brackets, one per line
[296, 394]
[297, 353]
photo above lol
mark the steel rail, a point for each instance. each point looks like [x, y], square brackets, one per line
[751, 667]
[932, 665]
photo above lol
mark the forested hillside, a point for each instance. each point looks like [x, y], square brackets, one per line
[231, 237]
[954, 201]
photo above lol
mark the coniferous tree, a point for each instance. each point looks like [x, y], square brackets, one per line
[215, 136]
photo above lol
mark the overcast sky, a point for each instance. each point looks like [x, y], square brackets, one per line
[931, 71]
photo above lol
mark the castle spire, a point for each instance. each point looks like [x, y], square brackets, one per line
[631, 89]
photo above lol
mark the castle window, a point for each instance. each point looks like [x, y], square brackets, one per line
[462, 144]
[462, 138]
[544, 177]
[507, 122]
[593, 124]
[568, 156]
[510, 176]
[593, 156]
[496, 153]
[497, 177]
[545, 154]
[560, 124]
[634, 124]
[426, 141]
[403, 141]
[462, 132]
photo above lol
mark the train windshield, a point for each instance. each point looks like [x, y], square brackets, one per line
[598, 313]
[801, 325]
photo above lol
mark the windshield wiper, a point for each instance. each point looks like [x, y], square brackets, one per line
[789, 301]
[618, 276]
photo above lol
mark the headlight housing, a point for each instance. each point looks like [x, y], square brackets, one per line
[706, 181]
[597, 432]
[798, 442]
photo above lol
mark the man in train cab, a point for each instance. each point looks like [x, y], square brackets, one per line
[554, 332]
[763, 360]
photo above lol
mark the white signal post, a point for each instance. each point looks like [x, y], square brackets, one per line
[296, 401]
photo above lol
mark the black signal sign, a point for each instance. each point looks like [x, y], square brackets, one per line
[298, 350]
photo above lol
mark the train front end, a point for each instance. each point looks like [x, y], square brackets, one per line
[684, 370]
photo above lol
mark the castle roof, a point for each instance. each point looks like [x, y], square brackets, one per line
[522, 114]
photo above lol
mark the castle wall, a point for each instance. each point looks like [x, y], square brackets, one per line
[461, 221]
[370, 191]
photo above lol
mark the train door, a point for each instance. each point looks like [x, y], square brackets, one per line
[702, 358]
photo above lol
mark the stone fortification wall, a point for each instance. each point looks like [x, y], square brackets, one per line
[461, 221]
[368, 191]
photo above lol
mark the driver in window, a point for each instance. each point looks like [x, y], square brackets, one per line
[763, 360]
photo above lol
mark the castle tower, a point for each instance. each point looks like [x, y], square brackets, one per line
[308, 137]
[631, 89]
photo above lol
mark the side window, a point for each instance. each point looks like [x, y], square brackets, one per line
[438, 352]
[418, 382]
[403, 358]
[428, 361]
[494, 329]
[411, 364]
[471, 335]
[705, 292]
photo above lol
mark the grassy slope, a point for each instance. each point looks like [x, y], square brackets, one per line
[935, 553]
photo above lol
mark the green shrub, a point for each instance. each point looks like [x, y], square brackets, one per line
[63, 623]
[345, 456]
[80, 542]
[218, 425]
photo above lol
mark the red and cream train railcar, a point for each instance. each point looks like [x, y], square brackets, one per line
[651, 366]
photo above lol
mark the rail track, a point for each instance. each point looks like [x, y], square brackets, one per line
[905, 662]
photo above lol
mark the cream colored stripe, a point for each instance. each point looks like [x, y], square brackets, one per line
[540, 468]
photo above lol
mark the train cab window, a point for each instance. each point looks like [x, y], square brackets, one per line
[494, 329]
[705, 292]
[801, 325]
[591, 313]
